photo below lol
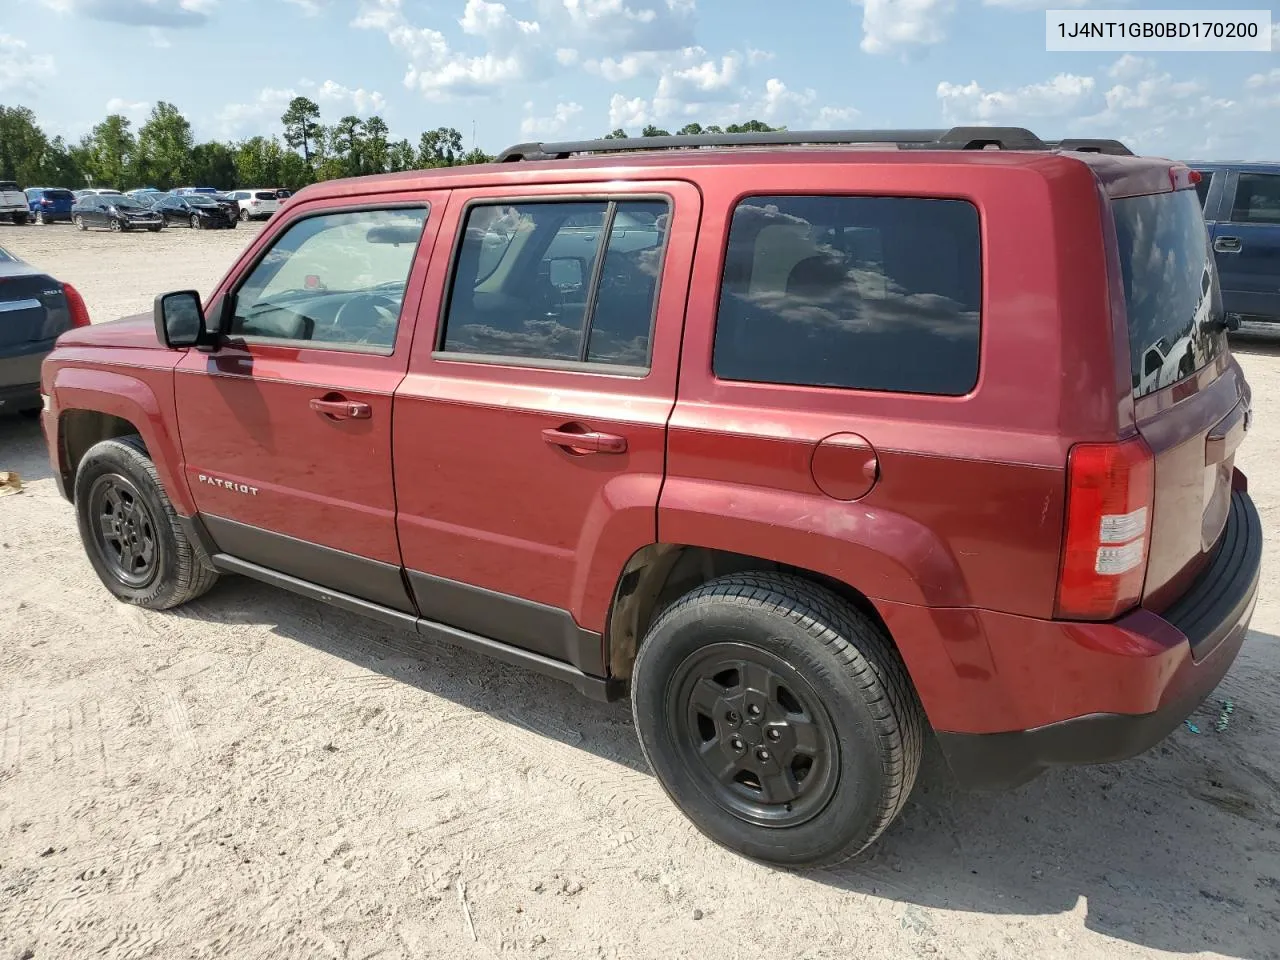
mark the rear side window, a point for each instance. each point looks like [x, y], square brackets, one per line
[1257, 199]
[865, 293]
[571, 281]
[1170, 288]
[263, 196]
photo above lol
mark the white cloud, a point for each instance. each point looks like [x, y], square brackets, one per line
[892, 25]
[628, 113]
[970, 103]
[262, 114]
[139, 13]
[516, 50]
[134, 107]
[21, 71]
[546, 128]
[1259, 80]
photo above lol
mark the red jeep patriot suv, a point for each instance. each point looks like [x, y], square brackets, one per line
[809, 441]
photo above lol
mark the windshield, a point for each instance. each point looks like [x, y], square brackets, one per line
[200, 200]
[6, 256]
[1170, 288]
[127, 203]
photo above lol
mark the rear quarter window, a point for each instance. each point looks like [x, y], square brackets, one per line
[1171, 294]
[864, 293]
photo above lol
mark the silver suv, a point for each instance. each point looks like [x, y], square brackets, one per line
[256, 204]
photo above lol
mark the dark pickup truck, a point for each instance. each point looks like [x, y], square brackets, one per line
[1242, 209]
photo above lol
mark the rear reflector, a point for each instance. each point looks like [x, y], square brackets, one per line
[1110, 487]
[76, 306]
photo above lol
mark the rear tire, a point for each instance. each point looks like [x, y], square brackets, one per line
[244, 216]
[131, 532]
[79, 222]
[19, 219]
[40, 220]
[832, 754]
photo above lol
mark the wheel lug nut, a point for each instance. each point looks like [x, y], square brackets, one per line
[762, 754]
[732, 717]
[774, 734]
[737, 744]
[753, 710]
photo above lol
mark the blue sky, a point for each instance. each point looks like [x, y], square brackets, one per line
[524, 69]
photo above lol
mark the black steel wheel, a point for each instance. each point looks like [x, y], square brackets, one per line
[125, 532]
[755, 733]
[132, 535]
[778, 717]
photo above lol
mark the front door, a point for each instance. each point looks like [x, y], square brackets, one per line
[1246, 245]
[530, 433]
[286, 430]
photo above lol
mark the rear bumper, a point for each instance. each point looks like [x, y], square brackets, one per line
[20, 396]
[1147, 672]
[20, 375]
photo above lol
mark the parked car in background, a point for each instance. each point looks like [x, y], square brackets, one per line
[185, 191]
[232, 207]
[13, 202]
[143, 193]
[34, 309]
[797, 467]
[115, 212]
[255, 204]
[194, 210]
[50, 204]
[1242, 208]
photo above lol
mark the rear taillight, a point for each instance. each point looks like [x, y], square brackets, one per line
[1110, 489]
[76, 306]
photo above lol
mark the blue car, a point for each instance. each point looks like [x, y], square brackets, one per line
[1242, 209]
[50, 204]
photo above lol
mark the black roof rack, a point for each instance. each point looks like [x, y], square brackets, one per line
[957, 138]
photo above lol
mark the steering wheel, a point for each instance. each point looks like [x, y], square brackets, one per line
[366, 314]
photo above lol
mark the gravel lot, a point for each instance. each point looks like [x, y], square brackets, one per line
[258, 775]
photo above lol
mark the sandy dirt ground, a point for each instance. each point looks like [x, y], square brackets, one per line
[258, 775]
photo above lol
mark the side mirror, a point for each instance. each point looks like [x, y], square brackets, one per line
[179, 320]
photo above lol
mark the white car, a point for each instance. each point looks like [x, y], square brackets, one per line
[13, 202]
[256, 204]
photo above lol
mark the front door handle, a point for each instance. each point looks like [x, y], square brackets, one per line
[1228, 245]
[589, 442]
[341, 409]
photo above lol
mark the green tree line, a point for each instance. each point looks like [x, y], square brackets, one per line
[163, 153]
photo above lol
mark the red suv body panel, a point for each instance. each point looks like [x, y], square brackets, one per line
[447, 508]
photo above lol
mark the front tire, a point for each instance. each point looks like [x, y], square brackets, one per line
[779, 718]
[195, 222]
[131, 532]
[114, 225]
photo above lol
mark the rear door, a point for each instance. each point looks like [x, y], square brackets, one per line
[1190, 406]
[530, 433]
[1246, 244]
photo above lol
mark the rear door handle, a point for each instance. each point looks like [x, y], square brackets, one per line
[1228, 245]
[590, 442]
[341, 409]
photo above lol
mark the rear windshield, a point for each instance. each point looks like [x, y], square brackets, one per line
[264, 196]
[59, 195]
[7, 185]
[1170, 288]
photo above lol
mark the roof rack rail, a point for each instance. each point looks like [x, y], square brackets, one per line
[956, 138]
[1113, 147]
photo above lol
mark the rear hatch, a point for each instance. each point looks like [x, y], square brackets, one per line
[59, 201]
[1191, 402]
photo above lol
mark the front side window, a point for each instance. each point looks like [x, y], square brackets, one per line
[1257, 198]
[562, 281]
[865, 293]
[336, 280]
